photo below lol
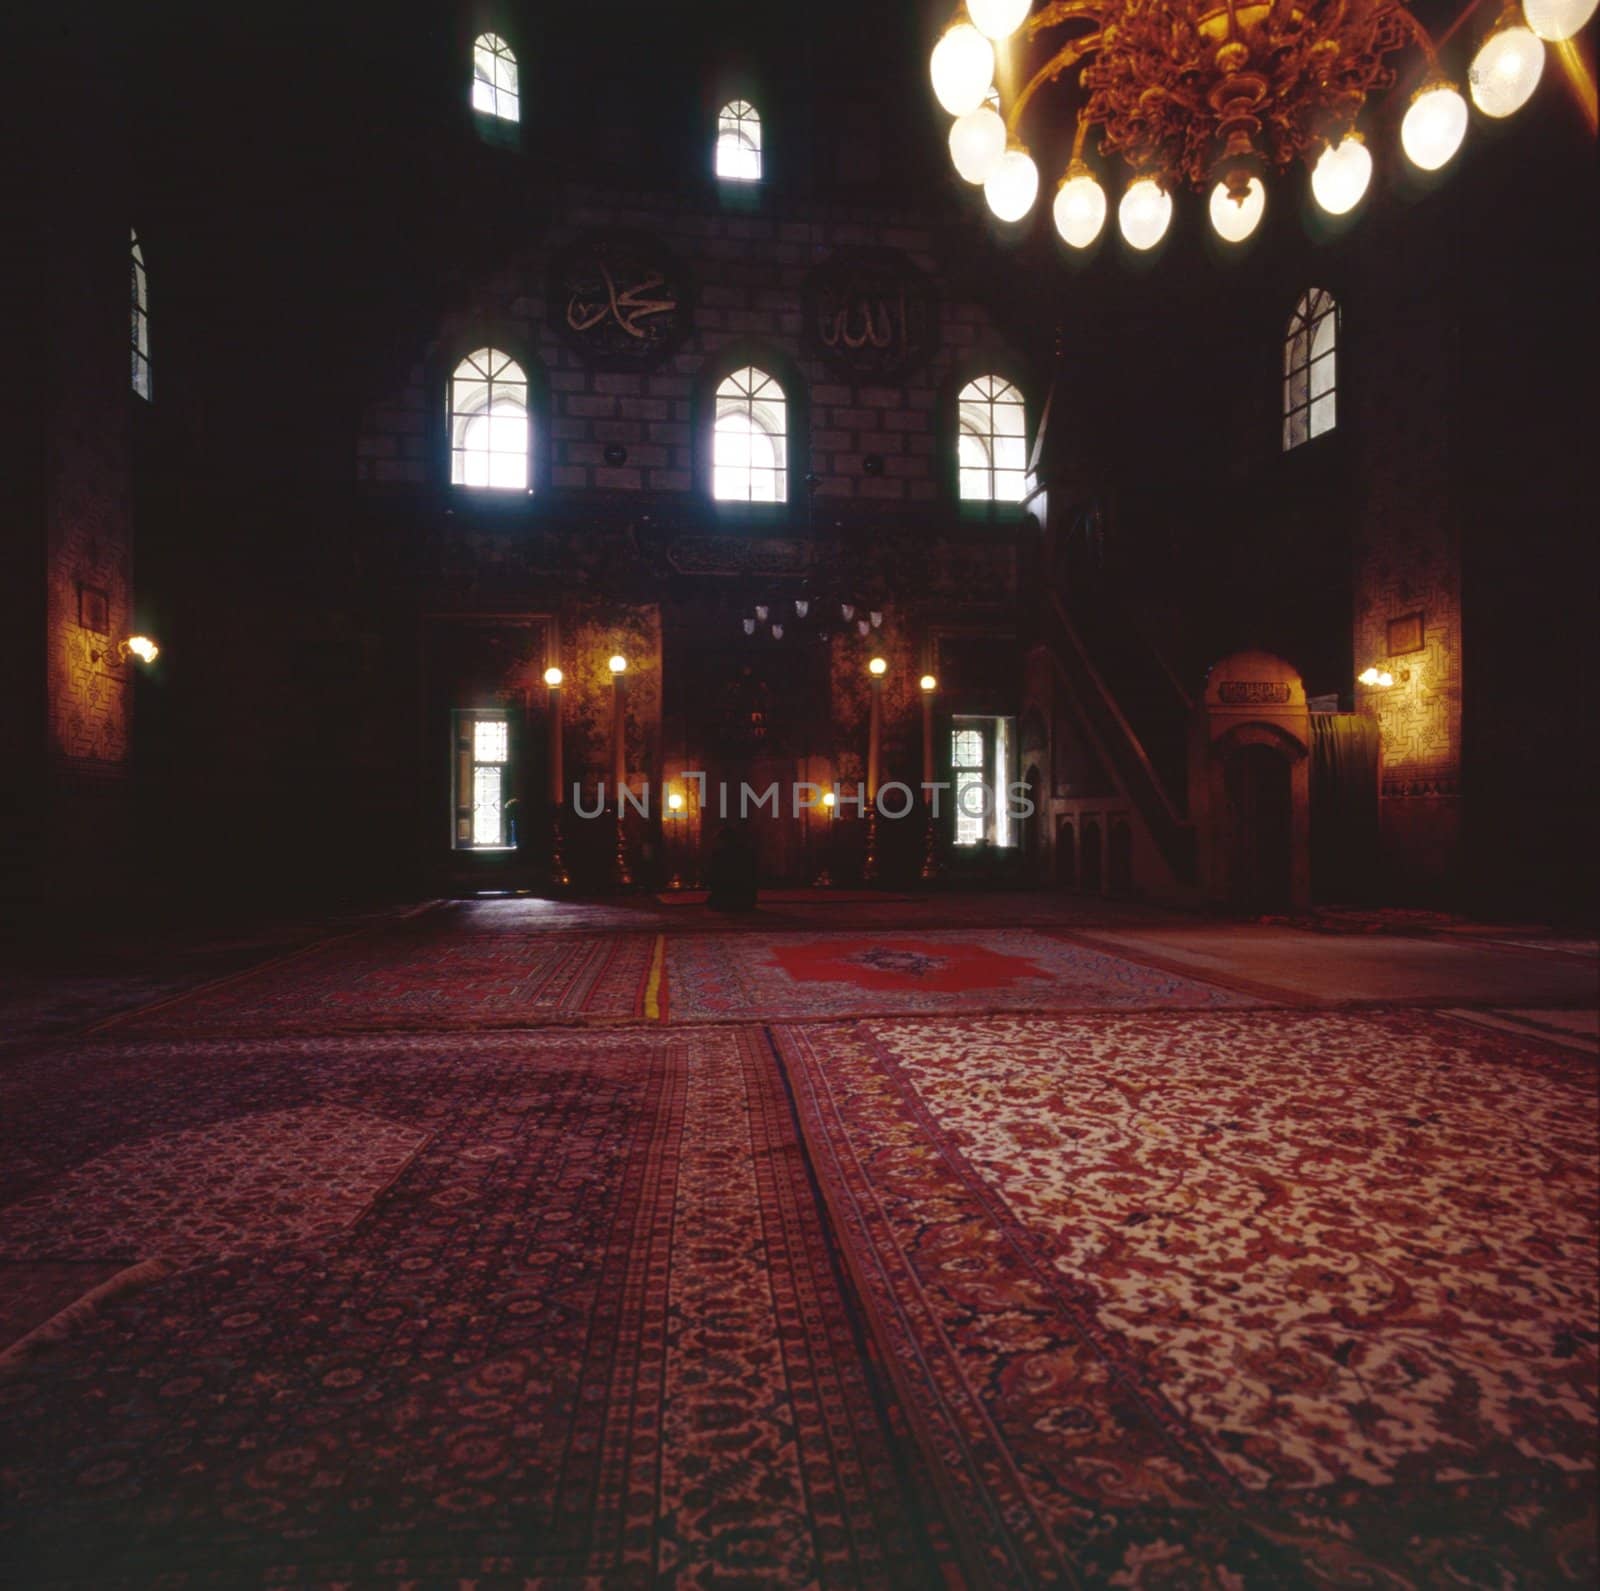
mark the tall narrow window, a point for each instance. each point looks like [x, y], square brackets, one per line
[1309, 396]
[141, 320]
[992, 441]
[750, 446]
[739, 142]
[494, 78]
[981, 758]
[972, 785]
[484, 796]
[489, 430]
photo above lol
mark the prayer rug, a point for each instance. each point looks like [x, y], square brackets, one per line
[791, 976]
[423, 979]
[1270, 1298]
[547, 1310]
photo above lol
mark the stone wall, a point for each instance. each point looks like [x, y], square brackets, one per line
[748, 276]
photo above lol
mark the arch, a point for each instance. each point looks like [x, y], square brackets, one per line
[491, 432]
[738, 147]
[140, 325]
[496, 86]
[991, 440]
[1310, 354]
[750, 439]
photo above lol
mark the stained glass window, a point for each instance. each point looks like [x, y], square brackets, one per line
[489, 431]
[992, 441]
[1309, 396]
[739, 142]
[751, 441]
[494, 78]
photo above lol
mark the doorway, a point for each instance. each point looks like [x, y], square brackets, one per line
[1260, 826]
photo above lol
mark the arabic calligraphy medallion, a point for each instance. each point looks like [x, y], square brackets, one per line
[620, 299]
[871, 314]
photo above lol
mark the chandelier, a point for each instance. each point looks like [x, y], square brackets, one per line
[1189, 93]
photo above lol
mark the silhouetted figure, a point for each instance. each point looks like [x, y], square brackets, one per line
[731, 872]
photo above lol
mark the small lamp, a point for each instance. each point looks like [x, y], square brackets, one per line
[618, 664]
[877, 667]
[553, 677]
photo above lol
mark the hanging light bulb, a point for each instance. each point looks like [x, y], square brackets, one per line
[1013, 185]
[749, 626]
[1080, 208]
[762, 610]
[777, 632]
[962, 68]
[1236, 216]
[1556, 20]
[1341, 174]
[847, 611]
[977, 143]
[877, 619]
[862, 627]
[1505, 71]
[999, 19]
[1434, 126]
[1145, 213]
[802, 607]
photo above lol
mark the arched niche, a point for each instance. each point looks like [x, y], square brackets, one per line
[1250, 785]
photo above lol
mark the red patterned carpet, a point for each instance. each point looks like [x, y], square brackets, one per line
[423, 977]
[554, 1310]
[1062, 1269]
[792, 976]
[1301, 1299]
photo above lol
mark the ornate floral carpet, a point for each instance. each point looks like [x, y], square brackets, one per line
[423, 978]
[1268, 1298]
[787, 976]
[553, 1310]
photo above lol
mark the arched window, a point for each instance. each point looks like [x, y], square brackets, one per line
[739, 142]
[489, 431]
[141, 320]
[992, 441]
[750, 446]
[494, 78]
[1309, 399]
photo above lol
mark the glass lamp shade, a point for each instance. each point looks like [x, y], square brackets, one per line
[1079, 210]
[1505, 72]
[1235, 219]
[1013, 185]
[962, 68]
[1556, 20]
[1341, 174]
[998, 18]
[1434, 127]
[1145, 213]
[977, 143]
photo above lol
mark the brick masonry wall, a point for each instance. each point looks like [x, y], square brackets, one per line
[750, 274]
[1408, 560]
[88, 522]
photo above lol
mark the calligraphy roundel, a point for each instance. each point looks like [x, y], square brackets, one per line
[620, 299]
[871, 314]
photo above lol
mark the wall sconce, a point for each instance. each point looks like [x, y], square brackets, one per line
[617, 663]
[139, 646]
[1379, 678]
